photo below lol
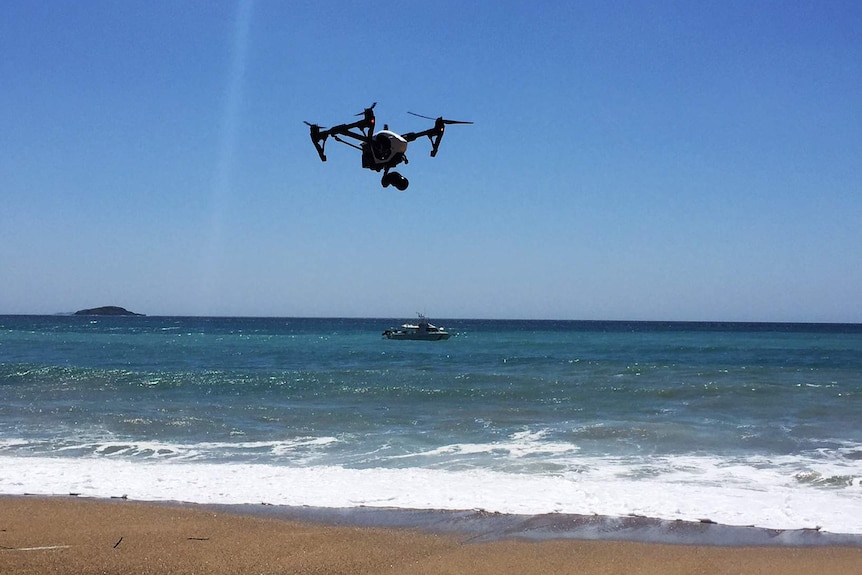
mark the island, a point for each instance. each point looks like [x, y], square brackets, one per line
[107, 310]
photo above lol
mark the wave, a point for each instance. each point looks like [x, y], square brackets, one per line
[754, 493]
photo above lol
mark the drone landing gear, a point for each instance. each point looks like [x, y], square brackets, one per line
[394, 179]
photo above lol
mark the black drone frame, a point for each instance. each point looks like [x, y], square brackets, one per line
[365, 135]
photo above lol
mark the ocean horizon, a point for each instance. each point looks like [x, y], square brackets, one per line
[734, 423]
[444, 319]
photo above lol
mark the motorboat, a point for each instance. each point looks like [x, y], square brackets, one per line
[421, 330]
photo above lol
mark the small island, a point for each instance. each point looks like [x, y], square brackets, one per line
[107, 310]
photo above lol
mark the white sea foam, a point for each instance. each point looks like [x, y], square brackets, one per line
[301, 450]
[742, 492]
[518, 445]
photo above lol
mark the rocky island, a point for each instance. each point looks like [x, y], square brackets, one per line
[107, 310]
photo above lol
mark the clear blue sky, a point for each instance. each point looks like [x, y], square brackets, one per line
[629, 160]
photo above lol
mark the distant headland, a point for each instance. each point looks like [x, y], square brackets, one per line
[106, 310]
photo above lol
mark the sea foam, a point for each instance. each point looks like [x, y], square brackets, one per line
[722, 493]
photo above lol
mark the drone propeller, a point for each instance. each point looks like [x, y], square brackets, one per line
[440, 119]
[366, 110]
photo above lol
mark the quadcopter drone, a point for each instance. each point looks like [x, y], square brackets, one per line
[382, 150]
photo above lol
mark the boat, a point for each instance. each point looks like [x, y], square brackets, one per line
[422, 330]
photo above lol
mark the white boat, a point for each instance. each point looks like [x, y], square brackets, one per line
[422, 330]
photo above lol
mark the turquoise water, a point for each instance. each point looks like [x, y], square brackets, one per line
[749, 423]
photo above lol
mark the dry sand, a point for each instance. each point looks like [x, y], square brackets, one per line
[48, 535]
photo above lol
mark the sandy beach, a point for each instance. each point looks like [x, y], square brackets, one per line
[47, 535]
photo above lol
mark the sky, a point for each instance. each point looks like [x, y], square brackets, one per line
[689, 161]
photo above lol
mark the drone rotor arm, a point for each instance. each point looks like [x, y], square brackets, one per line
[365, 127]
[351, 144]
[318, 138]
[434, 134]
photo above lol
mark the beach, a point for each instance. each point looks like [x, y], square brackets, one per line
[285, 445]
[46, 535]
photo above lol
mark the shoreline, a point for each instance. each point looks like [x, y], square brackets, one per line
[65, 534]
[480, 526]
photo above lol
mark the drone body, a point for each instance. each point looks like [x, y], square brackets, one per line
[381, 150]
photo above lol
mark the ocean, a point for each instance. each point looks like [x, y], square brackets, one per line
[736, 424]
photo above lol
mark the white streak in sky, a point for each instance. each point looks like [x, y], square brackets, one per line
[222, 185]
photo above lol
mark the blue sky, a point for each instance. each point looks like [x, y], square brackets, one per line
[629, 160]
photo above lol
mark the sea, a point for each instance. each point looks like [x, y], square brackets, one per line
[626, 424]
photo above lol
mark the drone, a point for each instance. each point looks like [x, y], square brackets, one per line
[382, 150]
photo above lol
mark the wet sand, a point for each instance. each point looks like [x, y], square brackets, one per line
[45, 535]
